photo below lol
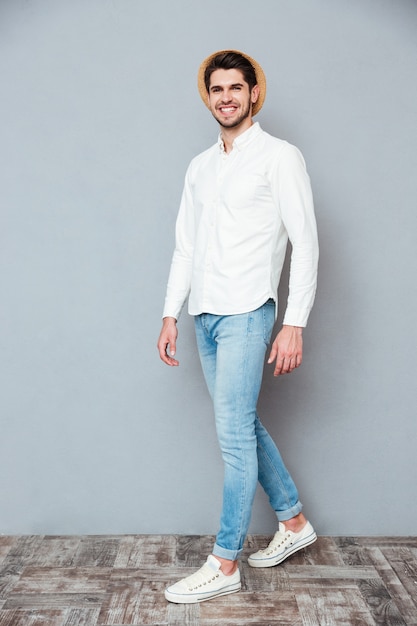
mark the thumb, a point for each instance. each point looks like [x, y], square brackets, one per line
[172, 345]
[273, 353]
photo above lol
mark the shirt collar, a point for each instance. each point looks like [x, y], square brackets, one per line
[244, 139]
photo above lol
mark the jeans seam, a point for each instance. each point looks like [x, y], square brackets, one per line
[238, 538]
[274, 471]
[267, 331]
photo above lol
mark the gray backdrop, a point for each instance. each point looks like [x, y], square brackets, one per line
[100, 116]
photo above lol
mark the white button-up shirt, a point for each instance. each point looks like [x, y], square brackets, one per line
[236, 215]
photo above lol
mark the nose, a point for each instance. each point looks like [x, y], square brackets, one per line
[226, 96]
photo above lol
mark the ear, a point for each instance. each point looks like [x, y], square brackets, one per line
[254, 94]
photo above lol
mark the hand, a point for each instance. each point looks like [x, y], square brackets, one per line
[287, 350]
[168, 337]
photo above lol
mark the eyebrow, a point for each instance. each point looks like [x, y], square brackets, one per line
[220, 86]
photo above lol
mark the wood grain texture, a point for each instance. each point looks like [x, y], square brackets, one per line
[120, 580]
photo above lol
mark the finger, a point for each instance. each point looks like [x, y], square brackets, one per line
[279, 366]
[172, 346]
[272, 354]
[169, 357]
[171, 351]
[285, 365]
[288, 365]
[163, 353]
[162, 346]
[169, 360]
[295, 362]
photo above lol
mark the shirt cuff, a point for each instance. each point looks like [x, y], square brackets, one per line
[296, 317]
[172, 311]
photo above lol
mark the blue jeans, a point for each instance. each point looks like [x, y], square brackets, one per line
[232, 352]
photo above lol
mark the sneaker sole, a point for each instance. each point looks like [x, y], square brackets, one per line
[196, 597]
[281, 557]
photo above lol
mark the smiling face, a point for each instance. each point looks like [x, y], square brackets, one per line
[230, 99]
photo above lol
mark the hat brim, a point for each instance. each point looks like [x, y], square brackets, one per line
[260, 79]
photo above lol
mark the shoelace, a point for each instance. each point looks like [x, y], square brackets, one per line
[279, 539]
[204, 576]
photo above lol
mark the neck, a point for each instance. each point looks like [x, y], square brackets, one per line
[230, 134]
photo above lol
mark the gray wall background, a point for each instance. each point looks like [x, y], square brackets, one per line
[99, 118]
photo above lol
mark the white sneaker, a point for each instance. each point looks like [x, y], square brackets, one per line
[207, 583]
[284, 543]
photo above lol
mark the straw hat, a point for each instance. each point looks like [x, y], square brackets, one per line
[260, 78]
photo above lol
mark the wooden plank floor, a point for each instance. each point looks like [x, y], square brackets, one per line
[120, 580]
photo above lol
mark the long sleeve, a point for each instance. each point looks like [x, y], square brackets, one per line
[297, 214]
[179, 280]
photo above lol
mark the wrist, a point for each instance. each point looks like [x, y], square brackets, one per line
[297, 329]
[169, 320]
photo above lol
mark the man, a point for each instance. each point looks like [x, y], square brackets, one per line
[243, 198]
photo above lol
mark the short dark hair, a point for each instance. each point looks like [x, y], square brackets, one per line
[231, 61]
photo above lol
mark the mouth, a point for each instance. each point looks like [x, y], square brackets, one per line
[227, 110]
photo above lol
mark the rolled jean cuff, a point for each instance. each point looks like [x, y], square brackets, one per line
[224, 553]
[284, 516]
